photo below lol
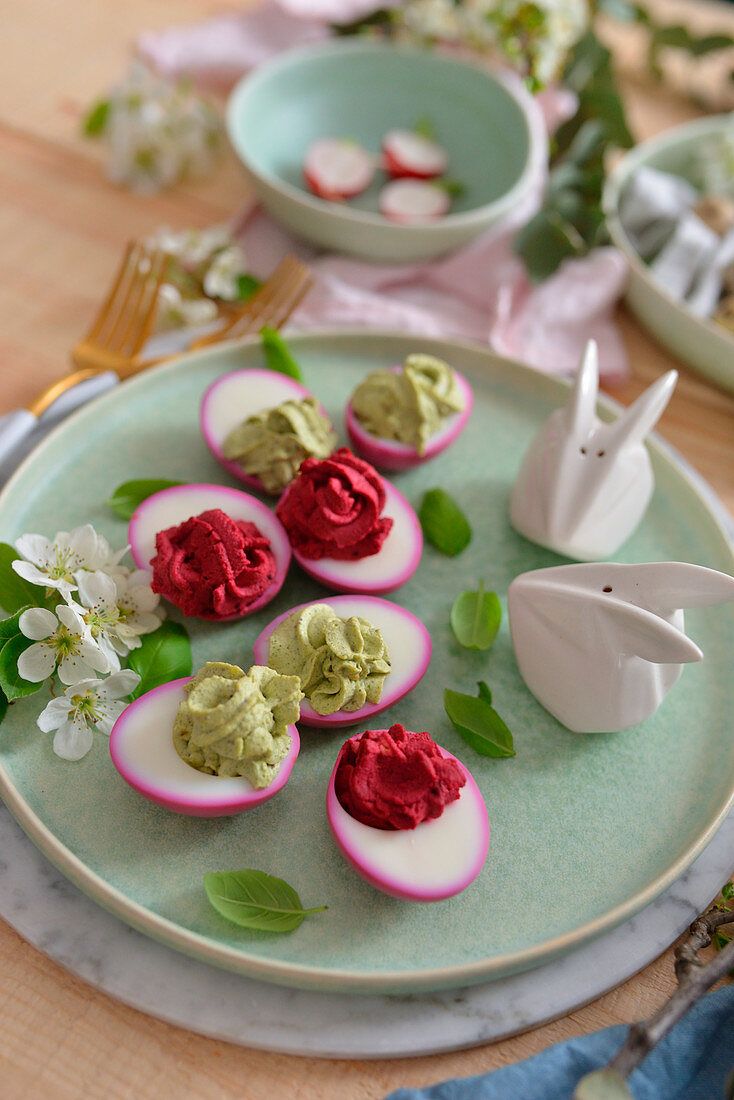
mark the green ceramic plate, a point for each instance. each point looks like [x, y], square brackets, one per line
[491, 129]
[585, 829]
[703, 344]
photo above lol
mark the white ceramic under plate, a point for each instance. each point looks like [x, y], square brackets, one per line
[565, 811]
[491, 128]
[703, 344]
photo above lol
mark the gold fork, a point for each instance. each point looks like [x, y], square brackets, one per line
[270, 306]
[125, 319]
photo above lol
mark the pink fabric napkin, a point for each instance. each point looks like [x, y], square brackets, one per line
[478, 293]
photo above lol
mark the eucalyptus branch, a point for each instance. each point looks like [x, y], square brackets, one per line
[694, 979]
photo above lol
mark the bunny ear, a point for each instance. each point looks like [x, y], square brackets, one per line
[633, 630]
[581, 407]
[667, 585]
[634, 424]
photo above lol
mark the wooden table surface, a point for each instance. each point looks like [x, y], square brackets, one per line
[62, 228]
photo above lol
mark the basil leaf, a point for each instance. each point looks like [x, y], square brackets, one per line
[246, 287]
[96, 120]
[277, 354]
[475, 618]
[253, 899]
[476, 720]
[12, 684]
[130, 494]
[162, 656]
[9, 627]
[15, 593]
[443, 522]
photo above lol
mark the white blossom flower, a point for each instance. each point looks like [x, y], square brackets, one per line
[192, 247]
[86, 705]
[62, 640]
[54, 564]
[158, 131]
[175, 311]
[221, 278]
[117, 610]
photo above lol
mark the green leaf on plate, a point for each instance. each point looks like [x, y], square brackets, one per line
[443, 522]
[475, 618]
[3, 705]
[246, 287]
[95, 122]
[130, 494]
[9, 627]
[277, 354]
[15, 593]
[255, 900]
[476, 720]
[12, 684]
[162, 656]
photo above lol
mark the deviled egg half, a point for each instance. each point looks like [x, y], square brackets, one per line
[143, 751]
[406, 652]
[435, 859]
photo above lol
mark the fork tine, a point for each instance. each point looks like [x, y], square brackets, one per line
[103, 313]
[135, 301]
[142, 308]
[282, 303]
[108, 337]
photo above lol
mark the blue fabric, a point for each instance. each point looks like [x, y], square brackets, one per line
[692, 1063]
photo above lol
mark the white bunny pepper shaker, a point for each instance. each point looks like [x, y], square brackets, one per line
[601, 644]
[583, 486]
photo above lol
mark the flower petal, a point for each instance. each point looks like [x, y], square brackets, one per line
[73, 740]
[35, 548]
[37, 662]
[96, 589]
[53, 714]
[119, 684]
[30, 573]
[37, 623]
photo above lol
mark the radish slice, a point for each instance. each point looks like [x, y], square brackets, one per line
[435, 860]
[336, 169]
[408, 643]
[388, 454]
[407, 154]
[171, 507]
[236, 396]
[395, 562]
[413, 202]
[142, 750]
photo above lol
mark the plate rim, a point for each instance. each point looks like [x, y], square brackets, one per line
[338, 980]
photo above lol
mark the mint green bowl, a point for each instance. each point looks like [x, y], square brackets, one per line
[703, 344]
[490, 129]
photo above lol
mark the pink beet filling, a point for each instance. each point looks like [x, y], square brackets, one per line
[212, 565]
[333, 508]
[395, 779]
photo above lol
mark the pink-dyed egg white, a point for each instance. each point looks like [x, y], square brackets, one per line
[407, 640]
[142, 750]
[414, 202]
[389, 454]
[171, 507]
[233, 398]
[337, 169]
[436, 860]
[395, 562]
[406, 153]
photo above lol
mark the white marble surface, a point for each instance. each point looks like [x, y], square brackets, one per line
[73, 931]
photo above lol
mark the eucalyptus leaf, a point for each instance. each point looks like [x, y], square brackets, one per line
[15, 593]
[277, 354]
[255, 900]
[444, 524]
[476, 720]
[130, 494]
[475, 618]
[163, 656]
[12, 684]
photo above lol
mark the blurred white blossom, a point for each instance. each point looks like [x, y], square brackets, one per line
[157, 131]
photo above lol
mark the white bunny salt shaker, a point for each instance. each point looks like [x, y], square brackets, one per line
[601, 644]
[583, 486]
